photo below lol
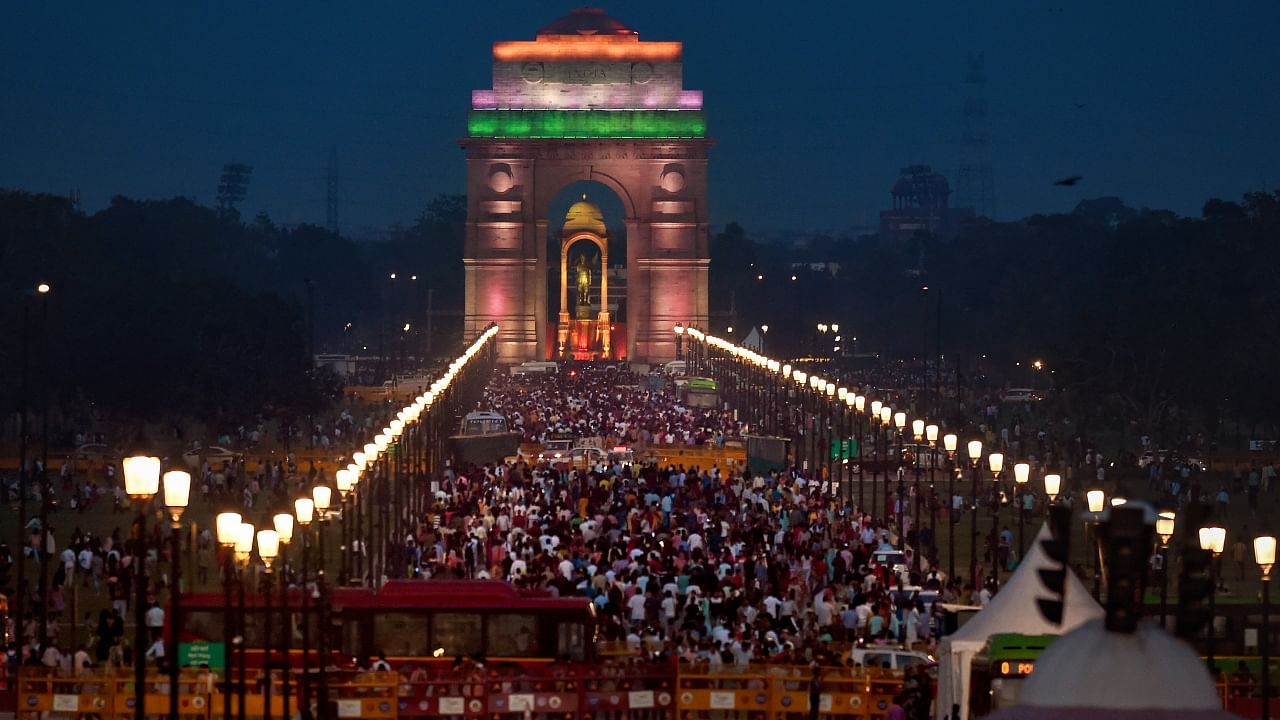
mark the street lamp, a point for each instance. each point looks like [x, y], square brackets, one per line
[283, 523]
[1021, 476]
[177, 493]
[975, 457]
[243, 549]
[344, 478]
[931, 437]
[1052, 486]
[900, 422]
[321, 495]
[1264, 553]
[228, 526]
[1164, 530]
[141, 482]
[268, 549]
[1213, 539]
[950, 442]
[304, 511]
[1097, 501]
[996, 463]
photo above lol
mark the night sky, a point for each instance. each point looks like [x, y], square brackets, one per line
[815, 106]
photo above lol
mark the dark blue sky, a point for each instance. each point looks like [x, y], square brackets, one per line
[815, 106]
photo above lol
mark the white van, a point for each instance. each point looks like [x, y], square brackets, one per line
[675, 367]
[535, 367]
[1020, 395]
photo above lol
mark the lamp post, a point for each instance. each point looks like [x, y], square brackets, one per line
[1264, 553]
[1164, 530]
[344, 479]
[876, 436]
[283, 523]
[860, 409]
[975, 457]
[321, 495]
[996, 462]
[802, 425]
[1213, 539]
[1021, 476]
[949, 444]
[1097, 501]
[268, 549]
[1052, 486]
[228, 525]
[900, 422]
[931, 437]
[141, 482]
[886, 421]
[177, 493]
[917, 432]
[831, 457]
[243, 549]
[304, 510]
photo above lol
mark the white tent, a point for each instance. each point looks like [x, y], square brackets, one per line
[1012, 610]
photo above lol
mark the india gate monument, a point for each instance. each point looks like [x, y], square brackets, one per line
[586, 101]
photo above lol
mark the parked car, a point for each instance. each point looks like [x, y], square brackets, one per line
[896, 658]
[896, 560]
[214, 454]
[1021, 395]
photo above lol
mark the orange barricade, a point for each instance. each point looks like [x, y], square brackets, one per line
[45, 695]
[775, 692]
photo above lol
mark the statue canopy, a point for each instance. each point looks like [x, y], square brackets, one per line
[584, 216]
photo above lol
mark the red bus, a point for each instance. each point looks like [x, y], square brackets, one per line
[414, 621]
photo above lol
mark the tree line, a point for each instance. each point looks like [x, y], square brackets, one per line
[1174, 318]
[162, 310]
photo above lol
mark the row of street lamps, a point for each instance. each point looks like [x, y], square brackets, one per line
[821, 412]
[758, 383]
[310, 516]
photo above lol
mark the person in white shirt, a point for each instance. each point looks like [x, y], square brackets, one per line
[155, 653]
[636, 606]
[155, 618]
[771, 604]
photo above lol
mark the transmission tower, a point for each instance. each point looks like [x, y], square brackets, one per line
[232, 187]
[331, 193]
[976, 186]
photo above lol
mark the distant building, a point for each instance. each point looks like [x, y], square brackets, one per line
[826, 268]
[921, 202]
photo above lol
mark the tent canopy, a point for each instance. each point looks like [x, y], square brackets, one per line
[1012, 610]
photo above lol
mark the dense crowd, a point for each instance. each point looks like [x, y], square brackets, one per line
[611, 403]
[710, 565]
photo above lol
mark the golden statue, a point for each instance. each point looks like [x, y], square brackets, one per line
[583, 274]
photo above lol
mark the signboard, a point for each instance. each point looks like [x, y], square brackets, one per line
[212, 654]
[722, 701]
[640, 699]
[520, 703]
[1016, 668]
[349, 709]
[844, 449]
[452, 705]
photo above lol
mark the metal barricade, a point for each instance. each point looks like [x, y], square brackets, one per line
[778, 692]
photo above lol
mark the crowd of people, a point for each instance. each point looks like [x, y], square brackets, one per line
[609, 402]
[711, 565]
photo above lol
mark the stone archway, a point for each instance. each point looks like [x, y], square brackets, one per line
[586, 100]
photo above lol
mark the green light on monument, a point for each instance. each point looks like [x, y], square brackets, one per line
[587, 123]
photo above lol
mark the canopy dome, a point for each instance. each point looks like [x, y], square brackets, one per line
[587, 21]
[584, 216]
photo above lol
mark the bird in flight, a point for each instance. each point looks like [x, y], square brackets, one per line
[1069, 181]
